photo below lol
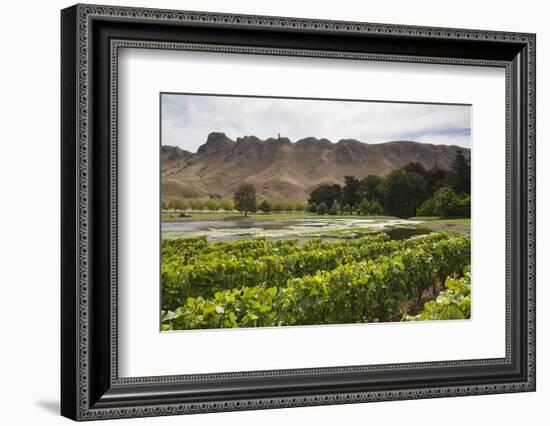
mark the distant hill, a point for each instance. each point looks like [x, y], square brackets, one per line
[282, 170]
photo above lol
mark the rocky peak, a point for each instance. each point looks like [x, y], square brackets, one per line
[215, 142]
[249, 147]
[278, 141]
[311, 142]
[248, 141]
[173, 153]
[350, 150]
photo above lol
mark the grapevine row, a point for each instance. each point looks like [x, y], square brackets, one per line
[359, 291]
[248, 263]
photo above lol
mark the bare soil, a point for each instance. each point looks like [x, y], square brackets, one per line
[415, 306]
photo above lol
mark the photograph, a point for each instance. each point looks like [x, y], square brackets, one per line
[265, 209]
[293, 211]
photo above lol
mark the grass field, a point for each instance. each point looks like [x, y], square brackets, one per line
[444, 221]
[173, 216]
[452, 225]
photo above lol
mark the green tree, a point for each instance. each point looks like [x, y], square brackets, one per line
[349, 191]
[459, 178]
[276, 207]
[403, 193]
[300, 207]
[369, 187]
[288, 207]
[196, 204]
[282, 207]
[367, 208]
[211, 205]
[415, 167]
[376, 208]
[179, 205]
[463, 207]
[322, 209]
[436, 178]
[326, 194]
[429, 208]
[227, 204]
[312, 208]
[265, 206]
[245, 198]
[452, 204]
[447, 203]
[335, 208]
[346, 209]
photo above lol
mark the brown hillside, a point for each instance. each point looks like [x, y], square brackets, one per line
[282, 170]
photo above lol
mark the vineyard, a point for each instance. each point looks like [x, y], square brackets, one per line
[259, 283]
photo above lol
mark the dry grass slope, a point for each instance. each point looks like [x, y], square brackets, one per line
[282, 170]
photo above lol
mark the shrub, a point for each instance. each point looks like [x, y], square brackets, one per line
[367, 208]
[445, 202]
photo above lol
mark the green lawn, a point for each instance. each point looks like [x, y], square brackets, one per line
[444, 221]
[428, 221]
[171, 216]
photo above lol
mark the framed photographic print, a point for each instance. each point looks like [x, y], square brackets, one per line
[263, 212]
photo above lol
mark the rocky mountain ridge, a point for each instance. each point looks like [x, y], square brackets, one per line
[283, 170]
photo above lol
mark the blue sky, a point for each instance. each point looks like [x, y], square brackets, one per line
[188, 119]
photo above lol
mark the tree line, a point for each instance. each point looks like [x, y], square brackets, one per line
[244, 200]
[409, 191]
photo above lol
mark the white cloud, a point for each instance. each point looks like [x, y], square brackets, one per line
[188, 119]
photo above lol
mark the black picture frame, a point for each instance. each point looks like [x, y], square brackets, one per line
[90, 386]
